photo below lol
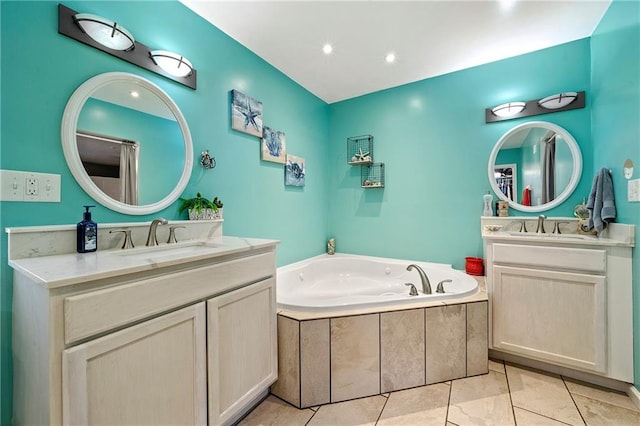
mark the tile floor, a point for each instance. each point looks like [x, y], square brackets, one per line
[508, 395]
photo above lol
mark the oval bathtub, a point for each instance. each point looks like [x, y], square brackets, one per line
[344, 282]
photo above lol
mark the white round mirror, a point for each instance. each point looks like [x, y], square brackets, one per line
[535, 166]
[127, 143]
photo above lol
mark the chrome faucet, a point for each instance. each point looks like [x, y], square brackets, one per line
[426, 285]
[152, 238]
[540, 229]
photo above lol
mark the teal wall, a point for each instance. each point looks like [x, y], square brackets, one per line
[615, 120]
[40, 69]
[160, 143]
[431, 135]
[435, 144]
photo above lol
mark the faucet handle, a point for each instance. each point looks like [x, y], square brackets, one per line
[172, 234]
[440, 288]
[128, 242]
[523, 226]
[412, 291]
[540, 229]
[556, 227]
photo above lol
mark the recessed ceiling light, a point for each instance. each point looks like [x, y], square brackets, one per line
[327, 49]
[134, 94]
[390, 58]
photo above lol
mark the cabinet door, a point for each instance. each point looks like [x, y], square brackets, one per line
[552, 316]
[242, 348]
[150, 373]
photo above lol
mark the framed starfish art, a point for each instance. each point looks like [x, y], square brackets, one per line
[246, 114]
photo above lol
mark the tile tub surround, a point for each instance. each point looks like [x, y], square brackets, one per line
[328, 360]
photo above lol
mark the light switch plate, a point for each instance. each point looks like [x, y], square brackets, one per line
[633, 190]
[29, 186]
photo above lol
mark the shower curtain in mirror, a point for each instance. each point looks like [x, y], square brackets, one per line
[549, 168]
[129, 172]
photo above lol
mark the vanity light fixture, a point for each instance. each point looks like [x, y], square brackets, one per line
[509, 109]
[557, 101]
[173, 63]
[563, 101]
[106, 32]
[110, 37]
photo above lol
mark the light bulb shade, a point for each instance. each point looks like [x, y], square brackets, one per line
[173, 63]
[557, 101]
[104, 31]
[509, 109]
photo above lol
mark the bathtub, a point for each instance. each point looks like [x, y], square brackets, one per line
[345, 282]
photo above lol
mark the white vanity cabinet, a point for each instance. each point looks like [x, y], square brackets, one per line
[562, 301]
[183, 342]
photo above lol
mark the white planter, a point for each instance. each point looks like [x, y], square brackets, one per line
[218, 214]
[205, 214]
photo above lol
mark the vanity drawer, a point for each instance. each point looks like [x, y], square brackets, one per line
[95, 312]
[586, 260]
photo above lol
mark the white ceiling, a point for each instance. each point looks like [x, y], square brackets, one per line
[429, 38]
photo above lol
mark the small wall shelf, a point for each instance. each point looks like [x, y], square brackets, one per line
[372, 175]
[360, 150]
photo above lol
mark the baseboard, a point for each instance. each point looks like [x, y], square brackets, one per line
[567, 372]
[634, 394]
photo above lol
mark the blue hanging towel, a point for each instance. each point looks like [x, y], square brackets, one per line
[601, 204]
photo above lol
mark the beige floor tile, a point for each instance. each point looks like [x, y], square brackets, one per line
[426, 405]
[363, 411]
[274, 411]
[497, 366]
[599, 413]
[527, 418]
[540, 393]
[481, 400]
[601, 394]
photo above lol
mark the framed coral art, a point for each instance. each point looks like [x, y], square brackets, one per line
[246, 114]
[294, 171]
[273, 145]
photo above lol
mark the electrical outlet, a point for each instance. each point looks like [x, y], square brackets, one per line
[29, 186]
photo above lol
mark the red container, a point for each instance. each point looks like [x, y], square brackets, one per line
[474, 266]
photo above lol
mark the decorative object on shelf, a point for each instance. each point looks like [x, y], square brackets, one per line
[273, 145]
[173, 63]
[488, 204]
[555, 103]
[331, 246]
[360, 150]
[207, 161]
[199, 208]
[473, 265]
[372, 175]
[294, 171]
[110, 37]
[627, 168]
[503, 208]
[246, 114]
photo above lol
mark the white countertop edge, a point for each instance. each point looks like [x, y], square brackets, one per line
[54, 228]
[26, 266]
[595, 241]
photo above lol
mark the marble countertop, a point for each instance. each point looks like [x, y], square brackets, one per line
[74, 268]
[556, 239]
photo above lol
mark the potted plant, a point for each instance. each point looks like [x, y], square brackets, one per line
[218, 203]
[199, 208]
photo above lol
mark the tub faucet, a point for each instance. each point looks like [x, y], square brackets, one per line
[152, 238]
[426, 285]
[412, 289]
[540, 229]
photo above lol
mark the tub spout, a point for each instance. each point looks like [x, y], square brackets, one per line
[426, 285]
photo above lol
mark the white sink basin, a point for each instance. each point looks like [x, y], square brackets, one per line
[165, 250]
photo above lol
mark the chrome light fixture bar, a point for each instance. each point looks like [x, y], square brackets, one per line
[555, 103]
[78, 26]
[105, 32]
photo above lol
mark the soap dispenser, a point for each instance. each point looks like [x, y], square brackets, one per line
[87, 235]
[488, 204]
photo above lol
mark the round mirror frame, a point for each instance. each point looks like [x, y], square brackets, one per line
[70, 148]
[575, 175]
